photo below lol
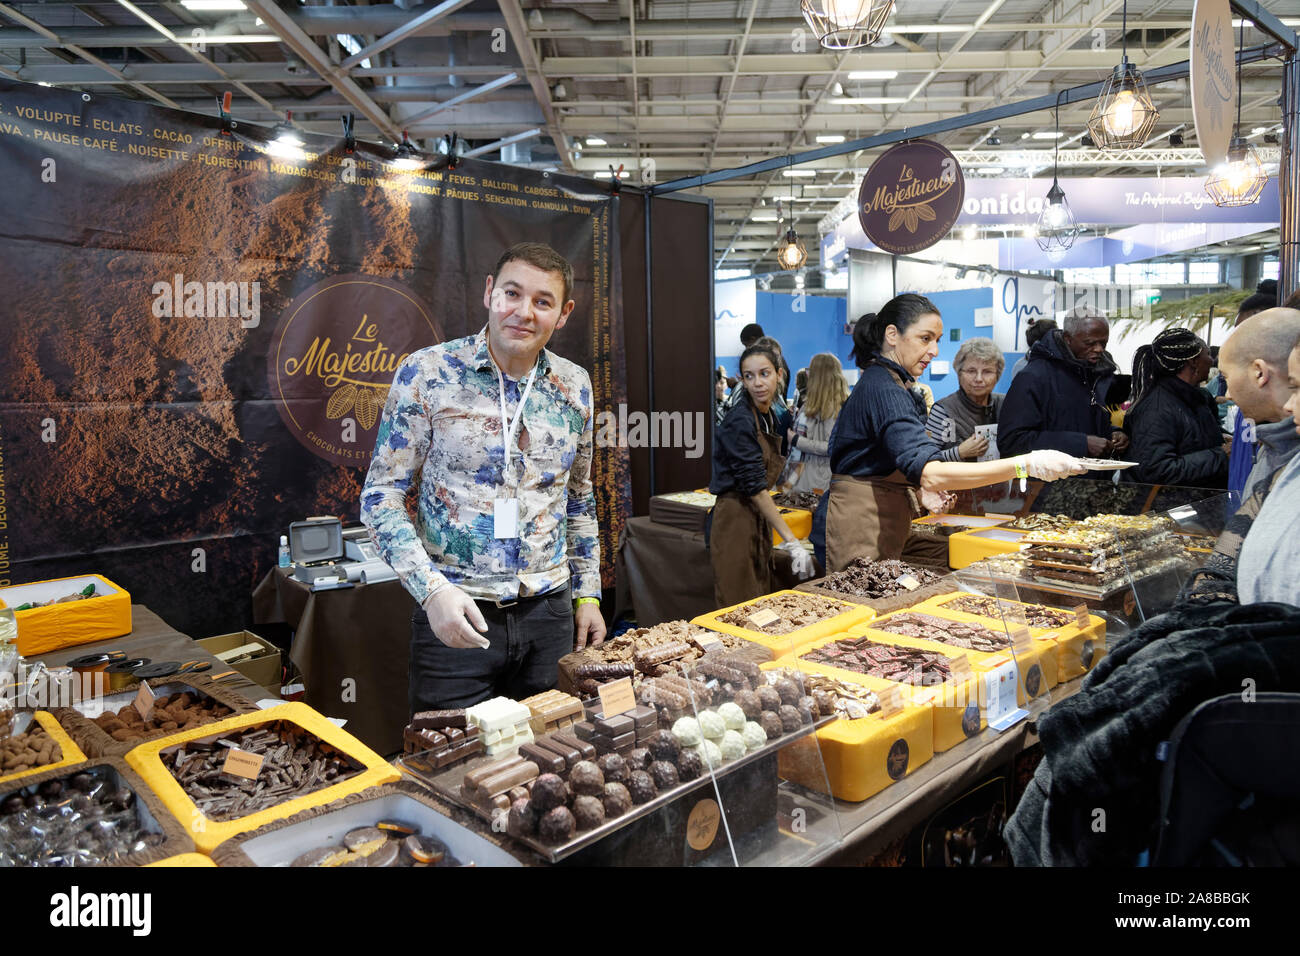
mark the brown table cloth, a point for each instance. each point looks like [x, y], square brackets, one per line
[352, 646]
[154, 638]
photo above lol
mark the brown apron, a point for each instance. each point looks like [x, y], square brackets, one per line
[740, 540]
[866, 518]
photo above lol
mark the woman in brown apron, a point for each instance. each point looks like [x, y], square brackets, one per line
[747, 461]
[880, 448]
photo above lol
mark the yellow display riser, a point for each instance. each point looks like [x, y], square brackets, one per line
[967, 547]
[862, 757]
[1078, 649]
[783, 644]
[54, 626]
[799, 521]
[146, 760]
[71, 752]
[956, 710]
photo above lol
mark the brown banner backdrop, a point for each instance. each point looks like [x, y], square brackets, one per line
[199, 335]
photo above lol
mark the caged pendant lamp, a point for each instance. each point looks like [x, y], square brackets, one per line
[1241, 179]
[1057, 227]
[847, 24]
[1124, 115]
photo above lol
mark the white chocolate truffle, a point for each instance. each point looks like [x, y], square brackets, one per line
[712, 725]
[732, 746]
[732, 715]
[753, 735]
[687, 732]
[710, 754]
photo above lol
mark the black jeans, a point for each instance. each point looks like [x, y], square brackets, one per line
[526, 642]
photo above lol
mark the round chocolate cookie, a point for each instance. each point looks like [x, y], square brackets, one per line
[523, 818]
[663, 746]
[424, 850]
[748, 701]
[788, 691]
[641, 786]
[557, 826]
[639, 759]
[617, 800]
[614, 768]
[549, 792]
[689, 766]
[664, 774]
[790, 719]
[588, 812]
[772, 724]
[769, 698]
[586, 779]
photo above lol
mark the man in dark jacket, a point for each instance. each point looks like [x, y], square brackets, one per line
[1059, 400]
[1174, 425]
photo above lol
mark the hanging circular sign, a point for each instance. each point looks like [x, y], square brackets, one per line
[911, 197]
[1214, 79]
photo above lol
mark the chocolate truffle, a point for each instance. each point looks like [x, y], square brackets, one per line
[663, 746]
[690, 765]
[639, 759]
[769, 698]
[641, 786]
[732, 746]
[588, 812]
[664, 775]
[806, 715]
[732, 716]
[586, 779]
[810, 703]
[687, 732]
[772, 724]
[614, 767]
[788, 690]
[712, 725]
[710, 754]
[523, 819]
[557, 826]
[790, 718]
[549, 792]
[753, 735]
[748, 702]
[617, 800]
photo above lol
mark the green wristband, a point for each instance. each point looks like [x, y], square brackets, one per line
[585, 600]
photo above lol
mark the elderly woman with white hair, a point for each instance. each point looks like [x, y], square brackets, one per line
[953, 420]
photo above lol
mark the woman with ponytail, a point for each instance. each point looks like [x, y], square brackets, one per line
[1176, 438]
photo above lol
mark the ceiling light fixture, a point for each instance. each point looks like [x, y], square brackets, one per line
[830, 139]
[799, 173]
[408, 157]
[1123, 115]
[1241, 179]
[791, 253]
[595, 141]
[873, 74]
[1057, 227]
[847, 24]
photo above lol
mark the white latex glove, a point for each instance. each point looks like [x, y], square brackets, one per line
[1049, 465]
[800, 560]
[451, 612]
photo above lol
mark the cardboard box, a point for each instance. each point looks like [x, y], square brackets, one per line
[49, 628]
[263, 669]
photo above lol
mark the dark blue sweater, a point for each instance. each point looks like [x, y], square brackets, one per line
[881, 428]
[737, 454]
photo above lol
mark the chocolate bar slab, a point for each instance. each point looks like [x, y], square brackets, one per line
[624, 742]
[614, 726]
[569, 755]
[437, 719]
[585, 749]
[499, 783]
[602, 743]
[584, 730]
[475, 777]
[643, 716]
[546, 760]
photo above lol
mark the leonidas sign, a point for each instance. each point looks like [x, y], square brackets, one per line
[911, 196]
[1214, 81]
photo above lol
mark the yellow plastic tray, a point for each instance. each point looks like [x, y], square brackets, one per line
[146, 760]
[1078, 649]
[967, 547]
[45, 629]
[866, 755]
[799, 521]
[71, 753]
[782, 644]
[952, 717]
[1032, 666]
[185, 859]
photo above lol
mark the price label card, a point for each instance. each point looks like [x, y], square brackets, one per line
[144, 699]
[240, 763]
[960, 668]
[617, 697]
[1021, 639]
[762, 619]
[1081, 615]
[908, 582]
[891, 702]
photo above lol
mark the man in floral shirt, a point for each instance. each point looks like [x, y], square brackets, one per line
[502, 556]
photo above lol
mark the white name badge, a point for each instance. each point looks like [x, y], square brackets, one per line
[505, 518]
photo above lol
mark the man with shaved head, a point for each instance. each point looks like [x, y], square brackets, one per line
[1059, 400]
[1253, 361]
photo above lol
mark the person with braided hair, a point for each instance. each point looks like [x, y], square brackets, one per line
[1176, 438]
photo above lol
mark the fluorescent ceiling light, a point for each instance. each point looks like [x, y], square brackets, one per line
[765, 217]
[213, 5]
[873, 74]
[869, 100]
[989, 170]
[830, 139]
[596, 141]
[1048, 134]
[799, 173]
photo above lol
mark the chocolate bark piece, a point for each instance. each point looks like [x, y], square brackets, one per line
[557, 826]
[589, 812]
[586, 750]
[547, 761]
[434, 719]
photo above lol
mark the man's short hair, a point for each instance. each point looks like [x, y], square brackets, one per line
[1080, 316]
[542, 256]
[1269, 335]
[751, 334]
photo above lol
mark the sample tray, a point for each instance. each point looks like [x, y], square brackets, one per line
[447, 785]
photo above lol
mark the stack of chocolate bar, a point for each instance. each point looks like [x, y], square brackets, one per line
[1102, 550]
[619, 733]
[490, 786]
[504, 724]
[557, 752]
[905, 665]
[442, 737]
[553, 710]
